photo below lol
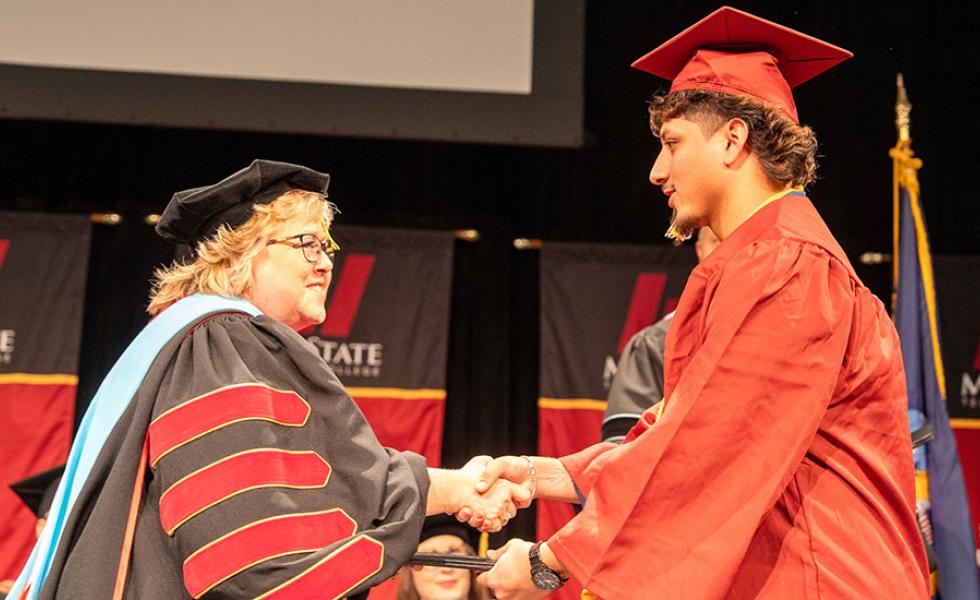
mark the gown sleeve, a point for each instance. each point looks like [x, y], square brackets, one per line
[675, 506]
[265, 477]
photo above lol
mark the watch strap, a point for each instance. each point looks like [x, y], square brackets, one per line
[534, 554]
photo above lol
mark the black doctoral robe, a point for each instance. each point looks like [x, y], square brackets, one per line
[263, 480]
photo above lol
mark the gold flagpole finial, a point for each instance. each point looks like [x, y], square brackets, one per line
[903, 111]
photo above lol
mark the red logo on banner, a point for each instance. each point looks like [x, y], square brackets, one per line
[4, 245]
[348, 292]
[647, 291]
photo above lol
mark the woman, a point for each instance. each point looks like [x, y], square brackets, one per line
[221, 457]
[443, 535]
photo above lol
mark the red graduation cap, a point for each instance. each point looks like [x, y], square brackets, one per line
[733, 52]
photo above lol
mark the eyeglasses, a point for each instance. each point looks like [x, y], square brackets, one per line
[311, 246]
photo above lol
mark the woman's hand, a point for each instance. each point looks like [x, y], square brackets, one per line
[455, 492]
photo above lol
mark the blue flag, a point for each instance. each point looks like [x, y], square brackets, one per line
[916, 319]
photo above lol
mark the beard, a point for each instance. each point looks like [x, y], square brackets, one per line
[680, 229]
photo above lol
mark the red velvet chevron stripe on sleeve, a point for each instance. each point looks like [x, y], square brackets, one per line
[261, 541]
[220, 408]
[249, 470]
[334, 576]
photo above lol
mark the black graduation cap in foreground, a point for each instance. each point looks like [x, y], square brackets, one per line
[441, 524]
[37, 491]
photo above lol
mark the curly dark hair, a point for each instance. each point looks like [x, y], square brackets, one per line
[787, 151]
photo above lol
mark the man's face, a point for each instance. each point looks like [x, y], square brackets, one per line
[688, 169]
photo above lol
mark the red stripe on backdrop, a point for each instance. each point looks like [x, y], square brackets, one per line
[414, 425]
[37, 421]
[560, 432]
[4, 244]
[647, 291]
[261, 541]
[347, 295]
[214, 410]
[968, 445]
[237, 474]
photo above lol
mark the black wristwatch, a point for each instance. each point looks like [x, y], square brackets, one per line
[542, 576]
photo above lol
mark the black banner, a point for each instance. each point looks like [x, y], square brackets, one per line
[957, 296]
[387, 330]
[43, 266]
[594, 297]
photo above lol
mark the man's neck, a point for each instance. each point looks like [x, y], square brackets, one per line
[741, 203]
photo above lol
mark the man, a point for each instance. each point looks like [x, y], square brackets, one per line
[779, 464]
[639, 380]
[221, 456]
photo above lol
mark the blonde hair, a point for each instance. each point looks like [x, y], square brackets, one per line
[223, 262]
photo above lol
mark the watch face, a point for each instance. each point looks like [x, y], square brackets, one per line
[546, 580]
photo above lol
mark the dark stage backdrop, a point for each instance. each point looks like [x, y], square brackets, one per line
[582, 339]
[957, 293]
[43, 261]
[598, 193]
[387, 329]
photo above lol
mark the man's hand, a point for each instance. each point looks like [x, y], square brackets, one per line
[544, 477]
[493, 473]
[492, 507]
[510, 577]
[454, 492]
[512, 468]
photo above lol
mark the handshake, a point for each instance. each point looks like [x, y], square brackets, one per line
[486, 492]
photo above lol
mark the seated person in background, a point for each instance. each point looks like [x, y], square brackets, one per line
[37, 492]
[442, 534]
[639, 380]
[221, 457]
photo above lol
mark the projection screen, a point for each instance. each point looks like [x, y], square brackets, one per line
[507, 71]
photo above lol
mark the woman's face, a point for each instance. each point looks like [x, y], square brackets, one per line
[438, 583]
[285, 286]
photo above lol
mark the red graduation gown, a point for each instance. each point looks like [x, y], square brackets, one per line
[781, 466]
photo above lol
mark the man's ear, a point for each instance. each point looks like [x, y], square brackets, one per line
[736, 135]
